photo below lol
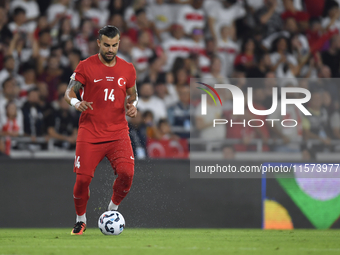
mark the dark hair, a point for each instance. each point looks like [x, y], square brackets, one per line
[44, 31]
[76, 52]
[147, 113]
[162, 121]
[27, 67]
[6, 81]
[7, 58]
[109, 31]
[139, 11]
[18, 10]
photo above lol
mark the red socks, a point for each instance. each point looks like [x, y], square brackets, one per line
[121, 187]
[81, 193]
[122, 184]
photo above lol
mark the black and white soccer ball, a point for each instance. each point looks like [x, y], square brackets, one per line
[111, 223]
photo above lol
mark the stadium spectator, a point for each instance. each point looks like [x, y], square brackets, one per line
[215, 76]
[82, 38]
[31, 9]
[141, 54]
[18, 50]
[316, 126]
[125, 48]
[148, 101]
[87, 10]
[247, 54]
[204, 123]
[191, 16]
[65, 31]
[151, 129]
[222, 14]
[291, 11]
[117, 20]
[33, 116]
[228, 152]
[262, 68]
[116, 7]
[137, 131]
[197, 50]
[228, 49]
[10, 92]
[130, 15]
[291, 138]
[74, 56]
[51, 75]
[332, 55]
[331, 21]
[179, 114]
[268, 17]
[10, 70]
[60, 10]
[42, 49]
[29, 81]
[165, 91]
[326, 83]
[284, 63]
[161, 16]
[19, 25]
[165, 132]
[176, 47]
[142, 23]
[13, 124]
[62, 125]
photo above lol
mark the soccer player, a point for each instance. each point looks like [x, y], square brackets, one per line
[107, 85]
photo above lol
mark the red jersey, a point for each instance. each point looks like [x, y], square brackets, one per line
[106, 88]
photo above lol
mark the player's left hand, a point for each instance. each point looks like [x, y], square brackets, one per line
[131, 110]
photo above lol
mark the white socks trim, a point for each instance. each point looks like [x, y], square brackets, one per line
[112, 206]
[81, 218]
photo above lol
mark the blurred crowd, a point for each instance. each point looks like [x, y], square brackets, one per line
[169, 42]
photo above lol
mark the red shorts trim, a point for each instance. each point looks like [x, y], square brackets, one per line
[89, 155]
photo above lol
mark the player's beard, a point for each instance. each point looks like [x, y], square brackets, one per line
[108, 58]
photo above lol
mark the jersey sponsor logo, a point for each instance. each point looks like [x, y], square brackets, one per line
[97, 80]
[109, 78]
[121, 81]
[132, 158]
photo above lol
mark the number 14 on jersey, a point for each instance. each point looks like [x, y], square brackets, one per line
[111, 95]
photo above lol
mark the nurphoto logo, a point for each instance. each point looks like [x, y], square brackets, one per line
[239, 106]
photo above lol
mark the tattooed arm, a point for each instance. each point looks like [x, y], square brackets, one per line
[132, 100]
[71, 97]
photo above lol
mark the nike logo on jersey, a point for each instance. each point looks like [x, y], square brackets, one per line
[132, 158]
[97, 80]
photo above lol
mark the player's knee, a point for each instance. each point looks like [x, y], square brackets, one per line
[82, 183]
[125, 171]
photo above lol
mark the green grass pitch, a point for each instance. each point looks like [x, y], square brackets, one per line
[170, 241]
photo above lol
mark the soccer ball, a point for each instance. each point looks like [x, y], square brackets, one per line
[111, 223]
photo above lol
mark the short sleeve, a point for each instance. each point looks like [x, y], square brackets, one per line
[131, 78]
[79, 74]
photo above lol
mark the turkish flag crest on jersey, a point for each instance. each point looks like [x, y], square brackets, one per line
[121, 81]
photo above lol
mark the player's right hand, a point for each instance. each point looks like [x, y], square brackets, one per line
[83, 106]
